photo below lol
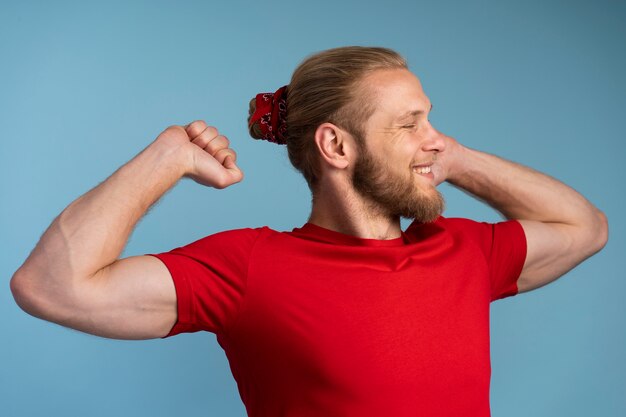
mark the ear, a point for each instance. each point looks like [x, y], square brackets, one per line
[335, 145]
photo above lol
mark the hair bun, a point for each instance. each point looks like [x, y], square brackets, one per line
[268, 116]
[254, 128]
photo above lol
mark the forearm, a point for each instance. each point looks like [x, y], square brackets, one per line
[93, 230]
[519, 192]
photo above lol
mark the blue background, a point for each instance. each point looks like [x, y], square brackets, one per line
[85, 86]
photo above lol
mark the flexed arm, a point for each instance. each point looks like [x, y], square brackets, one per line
[562, 227]
[73, 276]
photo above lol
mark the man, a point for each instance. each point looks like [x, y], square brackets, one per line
[347, 315]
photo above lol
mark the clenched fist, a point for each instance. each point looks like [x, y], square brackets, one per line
[210, 161]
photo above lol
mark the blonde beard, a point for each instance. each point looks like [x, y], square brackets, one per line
[392, 196]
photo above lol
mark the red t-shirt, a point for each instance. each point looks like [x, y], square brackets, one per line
[318, 323]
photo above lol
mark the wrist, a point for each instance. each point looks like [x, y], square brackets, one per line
[457, 161]
[174, 155]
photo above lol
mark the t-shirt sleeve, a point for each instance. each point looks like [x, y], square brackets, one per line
[210, 279]
[503, 246]
[506, 254]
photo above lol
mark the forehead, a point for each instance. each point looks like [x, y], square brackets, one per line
[396, 92]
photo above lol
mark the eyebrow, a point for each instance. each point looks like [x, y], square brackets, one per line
[413, 113]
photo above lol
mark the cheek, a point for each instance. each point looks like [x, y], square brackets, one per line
[406, 146]
[404, 159]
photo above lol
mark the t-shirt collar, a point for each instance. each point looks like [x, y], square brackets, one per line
[321, 234]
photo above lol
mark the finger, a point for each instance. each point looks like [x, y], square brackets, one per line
[229, 162]
[222, 154]
[206, 136]
[217, 144]
[233, 170]
[195, 128]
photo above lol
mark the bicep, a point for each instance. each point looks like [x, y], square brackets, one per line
[552, 250]
[133, 298]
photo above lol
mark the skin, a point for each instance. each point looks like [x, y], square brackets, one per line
[73, 276]
[391, 192]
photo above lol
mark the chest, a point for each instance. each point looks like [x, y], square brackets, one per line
[363, 325]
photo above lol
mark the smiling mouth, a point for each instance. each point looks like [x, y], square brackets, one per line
[422, 170]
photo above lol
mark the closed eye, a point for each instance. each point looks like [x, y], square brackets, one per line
[412, 125]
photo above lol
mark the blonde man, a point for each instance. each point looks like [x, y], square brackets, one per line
[348, 314]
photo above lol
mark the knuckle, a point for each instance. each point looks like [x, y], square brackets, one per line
[174, 129]
[174, 132]
[206, 140]
[214, 144]
[196, 127]
[220, 155]
[210, 131]
[218, 142]
[198, 123]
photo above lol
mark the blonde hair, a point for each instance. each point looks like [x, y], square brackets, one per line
[325, 88]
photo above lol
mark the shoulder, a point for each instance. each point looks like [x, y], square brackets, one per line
[234, 241]
[481, 233]
[453, 225]
[480, 229]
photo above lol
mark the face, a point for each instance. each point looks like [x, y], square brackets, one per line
[392, 169]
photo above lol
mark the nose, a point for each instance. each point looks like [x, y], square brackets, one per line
[434, 141]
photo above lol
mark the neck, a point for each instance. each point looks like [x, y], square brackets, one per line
[345, 211]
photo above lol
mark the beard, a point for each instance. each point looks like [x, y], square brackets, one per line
[391, 194]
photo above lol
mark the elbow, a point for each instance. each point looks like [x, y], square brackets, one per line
[38, 295]
[600, 232]
[28, 295]
[604, 226]
[23, 296]
[591, 236]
